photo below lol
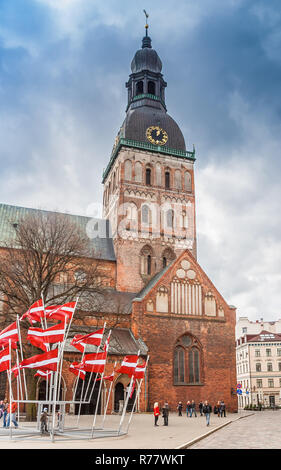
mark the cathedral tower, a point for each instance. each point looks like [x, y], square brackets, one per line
[149, 181]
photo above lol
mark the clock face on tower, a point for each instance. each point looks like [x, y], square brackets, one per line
[156, 135]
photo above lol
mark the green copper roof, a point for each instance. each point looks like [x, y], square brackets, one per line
[101, 248]
[146, 146]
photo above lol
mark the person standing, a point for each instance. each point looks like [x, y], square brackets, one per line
[180, 408]
[165, 413]
[156, 413]
[12, 414]
[193, 409]
[188, 407]
[201, 408]
[207, 409]
[1, 408]
[5, 412]
[222, 409]
[43, 421]
[217, 409]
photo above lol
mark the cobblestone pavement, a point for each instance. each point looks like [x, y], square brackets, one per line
[262, 430]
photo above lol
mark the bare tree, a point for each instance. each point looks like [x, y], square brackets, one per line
[49, 255]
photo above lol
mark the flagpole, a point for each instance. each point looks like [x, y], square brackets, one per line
[11, 392]
[92, 374]
[97, 404]
[127, 400]
[55, 393]
[136, 397]
[24, 379]
[107, 401]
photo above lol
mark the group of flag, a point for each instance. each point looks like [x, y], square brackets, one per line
[43, 338]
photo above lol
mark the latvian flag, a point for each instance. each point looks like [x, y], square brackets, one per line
[61, 312]
[9, 333]
[108, 377]
[79, 341]
[5, 358]
[128, 365]
[140, 371]
[75, 369]
[35, 312]
[45, 361]
[41, 338]
[94, 362]
[15, 370]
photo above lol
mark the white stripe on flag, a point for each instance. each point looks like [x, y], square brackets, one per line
[9, 333]
[5, 358]
[39, 364]
[45, 333]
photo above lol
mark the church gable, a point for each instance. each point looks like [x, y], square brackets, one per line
[183, 289]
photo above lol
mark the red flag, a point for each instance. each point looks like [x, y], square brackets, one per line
[77, 344]
[94, 362]
[41, 338]
[62, 312]
[9, 333]
[108, 377]
[140, 371]
[5, 358]
[35, 312]
[75, 369]
[92, 338]
[45, 361]
[128, 365]
[15, 370]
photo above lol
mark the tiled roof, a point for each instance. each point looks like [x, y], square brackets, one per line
[152, 282]
[99, 248]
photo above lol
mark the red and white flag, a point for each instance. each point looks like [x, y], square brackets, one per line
[61, 312]
[15, 370]
[5, 358]
[45, 361]
[41, 338]
[108, 377]
[42, 373]
[9, 333]
[140, 371]
[35, 312]
[128, 365]
[91, 338]
[94, 362]
[75, 369]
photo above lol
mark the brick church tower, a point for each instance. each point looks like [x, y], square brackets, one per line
[149, 181]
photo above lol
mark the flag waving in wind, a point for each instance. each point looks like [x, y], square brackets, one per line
[5, 358]
[41, 338]
[35, 312]
[94, 362]
[61, 312]
[9, 333]
[79, 341]
[75, 369]
[128, 365]
[45, 361]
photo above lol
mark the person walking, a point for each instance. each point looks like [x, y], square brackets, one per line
[12, 414]
[188, 407]
[180, 406]
[1, 408]
[217, 409]
[193, 409]
[165, 413]
[207, 409]
[222, 409]
[201, 408]
[156, 413]
[5, 412]
[43, 421]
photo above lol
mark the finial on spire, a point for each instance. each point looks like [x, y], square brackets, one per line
[146, 25]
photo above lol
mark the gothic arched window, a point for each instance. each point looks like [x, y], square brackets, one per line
[146, 256]
[167, 180]
[187, 361]
[170, 218]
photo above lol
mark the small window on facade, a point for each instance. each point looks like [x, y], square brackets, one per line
[148, 176]
[149, 264]
[167, 180]
[164, 262]
[258, 367]
[170, 218]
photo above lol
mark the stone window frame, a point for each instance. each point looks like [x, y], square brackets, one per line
[192, 347]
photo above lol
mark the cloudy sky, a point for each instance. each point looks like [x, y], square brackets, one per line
[63, 68]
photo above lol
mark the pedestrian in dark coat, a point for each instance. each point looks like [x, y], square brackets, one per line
[165, 413]
[180, 408]
[222, 409]
[188, 408]
[201, 408]
[207, 409]
[217, 409]
[193, 409]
